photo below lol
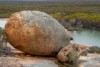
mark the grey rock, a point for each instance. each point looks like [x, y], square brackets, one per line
[36, 33]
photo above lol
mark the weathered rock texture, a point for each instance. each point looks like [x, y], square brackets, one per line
[71, 53]
[36, 33]
[27, 62]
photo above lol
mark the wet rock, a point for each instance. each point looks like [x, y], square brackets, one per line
[36, 33]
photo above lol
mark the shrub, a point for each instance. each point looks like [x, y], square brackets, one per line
[93, 18]
[94, 49]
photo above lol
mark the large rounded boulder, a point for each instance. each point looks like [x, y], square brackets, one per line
[36, 33]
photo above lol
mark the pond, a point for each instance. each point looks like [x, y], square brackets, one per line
[85, 36]
[2, 22]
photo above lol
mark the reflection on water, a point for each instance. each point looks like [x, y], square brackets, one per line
[87, 36]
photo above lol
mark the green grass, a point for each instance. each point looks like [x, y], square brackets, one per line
[93, 18]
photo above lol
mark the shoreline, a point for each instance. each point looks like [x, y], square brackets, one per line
[76, 25]
[3, 22]
[3, 19]
[67, 24]
[86, 45]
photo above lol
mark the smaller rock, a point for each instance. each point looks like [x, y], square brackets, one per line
[71, 53]
[63, 53]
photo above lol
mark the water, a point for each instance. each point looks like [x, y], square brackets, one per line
[87, 37]
[2, 22]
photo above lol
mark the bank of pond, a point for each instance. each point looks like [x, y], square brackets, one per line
[85, 20]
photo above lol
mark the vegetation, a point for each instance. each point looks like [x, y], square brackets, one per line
[94, 18]
[60, 64]
[88, 11]
[72, 56]
[63, 8]
[94, 49]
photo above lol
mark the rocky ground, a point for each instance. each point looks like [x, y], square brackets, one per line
[19, 59]
[91, 60]
[27, 62]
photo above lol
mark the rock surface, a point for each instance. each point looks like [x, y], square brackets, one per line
[19, 59]
[91, 60]
[71, 53]
[27, 62]
[36, 33]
